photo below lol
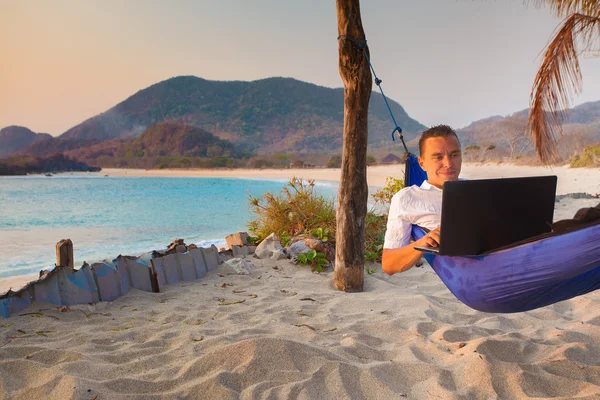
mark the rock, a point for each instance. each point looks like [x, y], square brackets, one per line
[240, 251]
[302, 244]
[315, 244]
[159, 253]
[239, 266]
[269, 245]
[294, 249]
[225, 255]
[578, 195]
[174, 246]
[278, 255]
[236, 239]
[192, 246]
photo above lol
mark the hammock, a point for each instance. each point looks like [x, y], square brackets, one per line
[522, 278]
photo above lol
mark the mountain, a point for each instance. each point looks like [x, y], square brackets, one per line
[15, 138]
[267, 116]
[27, 165]
[166, 143]
[506, 135]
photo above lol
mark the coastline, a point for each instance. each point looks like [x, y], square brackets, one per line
[281, 331]
[570, 180]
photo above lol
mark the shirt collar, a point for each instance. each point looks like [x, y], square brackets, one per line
[428, 186]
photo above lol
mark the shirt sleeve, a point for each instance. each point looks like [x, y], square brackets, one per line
[398, 229]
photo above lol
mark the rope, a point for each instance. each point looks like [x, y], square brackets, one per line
[362, 46]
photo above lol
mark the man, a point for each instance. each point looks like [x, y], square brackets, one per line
[440, 156]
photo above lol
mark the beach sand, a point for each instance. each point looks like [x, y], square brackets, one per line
[289, 334]
[295, 336]
[570, 180]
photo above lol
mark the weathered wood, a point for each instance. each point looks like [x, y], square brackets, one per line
[353, 190]
[64, 253]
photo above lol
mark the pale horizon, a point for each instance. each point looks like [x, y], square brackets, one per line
[444, 62]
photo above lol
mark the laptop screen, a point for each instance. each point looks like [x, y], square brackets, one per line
[483, 215]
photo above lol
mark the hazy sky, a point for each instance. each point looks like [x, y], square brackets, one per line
[445, 61]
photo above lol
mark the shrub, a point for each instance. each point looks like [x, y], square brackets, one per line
[376, 219]
[313, 258]
[334, 162]
[298, 209]
[384, 196]
[590, 157]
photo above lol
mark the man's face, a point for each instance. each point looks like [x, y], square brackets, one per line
[441, 159]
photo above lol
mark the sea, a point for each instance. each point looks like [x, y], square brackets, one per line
[106, 216]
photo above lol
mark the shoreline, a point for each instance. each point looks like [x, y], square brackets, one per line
[569, 181]
[281, 331]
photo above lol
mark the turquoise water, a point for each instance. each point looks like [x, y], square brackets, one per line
[108, 216]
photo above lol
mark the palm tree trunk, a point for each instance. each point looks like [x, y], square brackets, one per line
[353, 191]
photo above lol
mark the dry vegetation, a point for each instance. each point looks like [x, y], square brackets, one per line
[300, 210]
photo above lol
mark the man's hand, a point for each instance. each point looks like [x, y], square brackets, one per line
[432, 239]
[404, 258]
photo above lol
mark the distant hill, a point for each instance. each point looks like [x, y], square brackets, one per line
[52, 145]
[28, 165]
[270, 119]
[166, 144]
[267, 116]
[15, 138]
[505, 136]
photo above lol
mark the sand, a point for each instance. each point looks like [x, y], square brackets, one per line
[290, 334]
[570, 180]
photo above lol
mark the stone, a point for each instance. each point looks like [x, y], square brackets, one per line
[192, 246]
[294, 249]
[239, 266]
[174, 245]
[269, 245]
[240, 251]
[315, 244]
[278, 255]
[236, 239]
[181, 248]
[225, 255]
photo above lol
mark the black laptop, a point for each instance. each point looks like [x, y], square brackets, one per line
[481, 216]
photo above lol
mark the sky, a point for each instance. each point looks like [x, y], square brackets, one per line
[444, 61]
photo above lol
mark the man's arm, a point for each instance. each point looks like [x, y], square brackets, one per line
[404, 258]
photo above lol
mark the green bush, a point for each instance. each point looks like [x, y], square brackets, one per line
[298, 209]
[590, 157]
[334, 162]
[384, 196]
[376, 221]
[313, 258]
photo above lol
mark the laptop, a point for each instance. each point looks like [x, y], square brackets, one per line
[481, 216]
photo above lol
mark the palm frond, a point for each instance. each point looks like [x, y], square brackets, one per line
[562, 8]
[557, 81]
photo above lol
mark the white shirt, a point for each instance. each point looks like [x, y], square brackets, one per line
[414, 205]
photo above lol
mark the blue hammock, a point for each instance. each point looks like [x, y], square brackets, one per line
[520, 278]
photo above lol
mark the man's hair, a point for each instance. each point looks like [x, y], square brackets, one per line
[436, 131]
